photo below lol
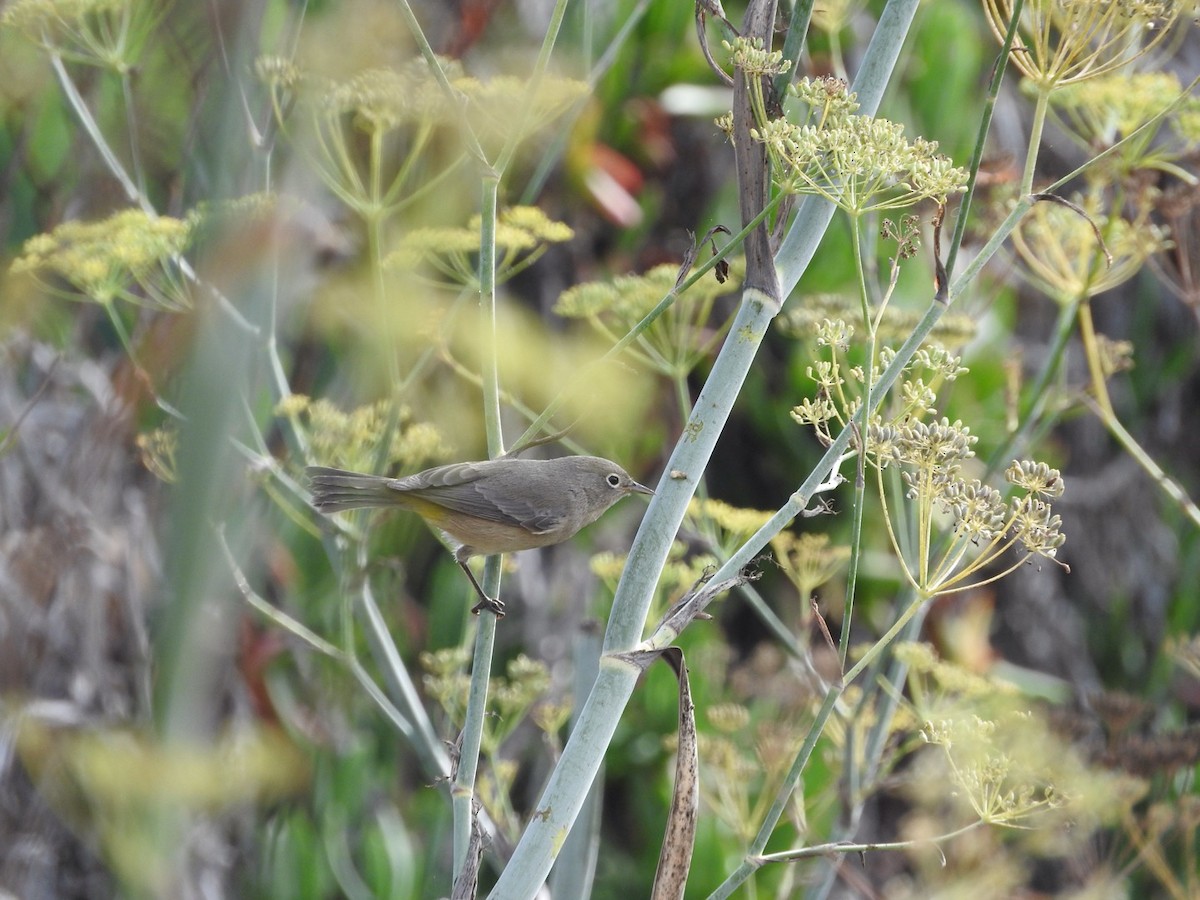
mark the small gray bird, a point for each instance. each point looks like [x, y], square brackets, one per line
[494, 506]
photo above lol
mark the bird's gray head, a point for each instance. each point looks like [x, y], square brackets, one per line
[601, 482]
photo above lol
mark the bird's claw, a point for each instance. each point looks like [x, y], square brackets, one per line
[493, 606]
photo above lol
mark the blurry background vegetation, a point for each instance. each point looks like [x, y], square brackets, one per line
[164, 735]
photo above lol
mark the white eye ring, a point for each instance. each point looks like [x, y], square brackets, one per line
[614, 480]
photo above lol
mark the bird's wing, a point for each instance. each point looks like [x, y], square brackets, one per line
[463, 488]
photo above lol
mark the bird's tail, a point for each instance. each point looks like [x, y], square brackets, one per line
[336, 490]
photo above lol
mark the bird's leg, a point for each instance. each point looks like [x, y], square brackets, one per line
[492, 605]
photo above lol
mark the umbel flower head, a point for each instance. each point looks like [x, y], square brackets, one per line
[744, 758]
[982, 524]
[523, 233]
[375, 101]
[953, 329]
[1103, 110]
[1001, 762]
[381, 100]
[128, 256]
[678, 339]
[499, 105]
[400, 110]
[351, 440]
[841, 383]
[808, 560]
[110, 34]
[1062, 254]
[366, 135]
[1061, 42]
[860, 163]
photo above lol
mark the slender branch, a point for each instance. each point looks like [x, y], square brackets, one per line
[841, 847]
[117, 170]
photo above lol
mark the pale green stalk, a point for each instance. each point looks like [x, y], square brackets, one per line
[439, 74]
[868, 407]
[135, 153]
[575, 870]
[114, 165]
[793, 44]
[485, 635]
[468, 762]
[400, 687]
[985, 125]
[1041, 108]
[840, 847]
[1165, 482]
[464, 785]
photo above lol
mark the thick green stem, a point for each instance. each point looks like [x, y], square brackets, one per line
[463, 791]
[487, 311]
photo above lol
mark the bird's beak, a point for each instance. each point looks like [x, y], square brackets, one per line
[640, 489]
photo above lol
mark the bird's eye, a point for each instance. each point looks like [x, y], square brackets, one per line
[614, 480]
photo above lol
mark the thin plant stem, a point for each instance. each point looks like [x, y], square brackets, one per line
[840, 847]
[864, 423]
[135, 153]
[276, 616]
[1040, 109]
[985, 125]
[400, 686]
[485, 635]
[554, 150]
[517, 134]
[114, 165]
[1130, 445]
[463, 789]
[668, 300]
[135, 196]
[435, 66]
[487, 312]
[1091, 351]
[832, 695]
[793, 44]
[1039, 394]
[374, 222]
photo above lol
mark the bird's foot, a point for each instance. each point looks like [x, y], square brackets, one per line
[491, 605]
